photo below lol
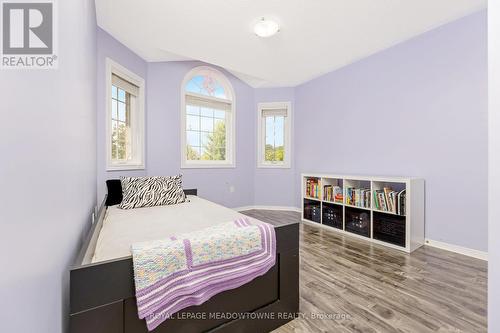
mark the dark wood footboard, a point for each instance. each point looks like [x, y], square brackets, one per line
[102, 298]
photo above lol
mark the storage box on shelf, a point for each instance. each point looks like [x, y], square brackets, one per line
[384, 210]
[333, 215]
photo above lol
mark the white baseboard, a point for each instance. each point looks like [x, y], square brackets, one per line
[457, 249]
[292, 209]
[429, 242]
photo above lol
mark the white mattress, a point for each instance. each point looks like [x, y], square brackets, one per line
[123, 227]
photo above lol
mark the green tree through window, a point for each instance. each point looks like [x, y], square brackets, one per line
[215, 149]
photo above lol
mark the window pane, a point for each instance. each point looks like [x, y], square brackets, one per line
[269, 153]
[114, 136]
[194, 110]
[219, 92]
[114, 150]
[270, 131]
[114, 92]
[219, 123]
[195, 85]
[207, 124]
[193, 123]
[274, 150]
[203, 149]
[121, 95]
[122, 112]
[219, 114]
[122, 139]
[279, 131]
[206, 112]
[206, 85]
[114, 130]
[221, 154]
[193, 138]
[214, 154]
[114, 109]
[205, 139]
[193, 153]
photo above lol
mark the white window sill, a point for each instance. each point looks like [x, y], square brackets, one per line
[207, 166]
[273, 166]
[124, 167]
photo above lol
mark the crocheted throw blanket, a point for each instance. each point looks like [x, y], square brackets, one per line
[186, 270]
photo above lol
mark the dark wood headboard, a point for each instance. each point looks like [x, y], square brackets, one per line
[191, 191]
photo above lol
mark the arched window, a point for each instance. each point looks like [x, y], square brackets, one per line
[208, 119]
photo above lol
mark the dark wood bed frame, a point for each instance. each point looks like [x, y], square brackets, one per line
[102, 295]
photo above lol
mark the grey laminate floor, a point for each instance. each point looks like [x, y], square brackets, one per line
[348, 285]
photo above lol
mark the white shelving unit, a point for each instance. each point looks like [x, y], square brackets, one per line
[402, 232]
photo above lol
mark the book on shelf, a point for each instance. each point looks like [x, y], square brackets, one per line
[333, 193]
[359, 197]
[387, 200]
[312, 188]
[402, 202]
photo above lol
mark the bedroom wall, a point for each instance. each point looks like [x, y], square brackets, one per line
[109, 47]
[417, 109]
[494, 166]
[48, 173]
[163, 153]
[274, 187]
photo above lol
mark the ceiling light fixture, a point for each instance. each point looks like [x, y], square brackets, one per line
[266, 28]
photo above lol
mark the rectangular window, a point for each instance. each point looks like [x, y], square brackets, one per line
[207, 120]
[274, 121]
[206, 129]
[125, 114]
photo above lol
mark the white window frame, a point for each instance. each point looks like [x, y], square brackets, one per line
[230, 161]
[136, 114]
[261, 140]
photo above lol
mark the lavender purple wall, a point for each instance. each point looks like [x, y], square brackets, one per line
[48, 174]
[417, 109]
[274, 187]
[108, 47]
[163, 153]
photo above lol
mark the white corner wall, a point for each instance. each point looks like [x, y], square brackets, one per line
[494, 166]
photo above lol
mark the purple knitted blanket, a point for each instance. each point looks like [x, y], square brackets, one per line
[186, 270]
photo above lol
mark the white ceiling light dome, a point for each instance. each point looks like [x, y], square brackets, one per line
[266, 28]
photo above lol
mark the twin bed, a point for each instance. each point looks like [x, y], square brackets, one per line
[102, 294]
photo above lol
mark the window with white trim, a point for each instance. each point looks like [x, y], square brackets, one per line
[274, 138]
[125, 118]
[208, 118]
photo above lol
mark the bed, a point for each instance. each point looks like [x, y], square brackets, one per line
[102, 294]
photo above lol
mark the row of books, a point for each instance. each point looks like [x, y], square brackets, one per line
[359, 197]
[388, 200]
[333, 193]
[312, 188]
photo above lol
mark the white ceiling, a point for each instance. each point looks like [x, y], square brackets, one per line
[317, 36]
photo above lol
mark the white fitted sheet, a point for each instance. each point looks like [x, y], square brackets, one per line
[123, 227]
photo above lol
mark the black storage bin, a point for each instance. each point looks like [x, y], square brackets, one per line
[332, 215]
[312, 210]
[389, 228]
[357, 221]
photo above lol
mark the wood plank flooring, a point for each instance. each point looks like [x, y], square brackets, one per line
[348, 285]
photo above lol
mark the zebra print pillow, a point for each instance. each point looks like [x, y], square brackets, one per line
[151, 191]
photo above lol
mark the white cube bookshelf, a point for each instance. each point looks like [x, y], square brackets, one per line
[378, 213]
